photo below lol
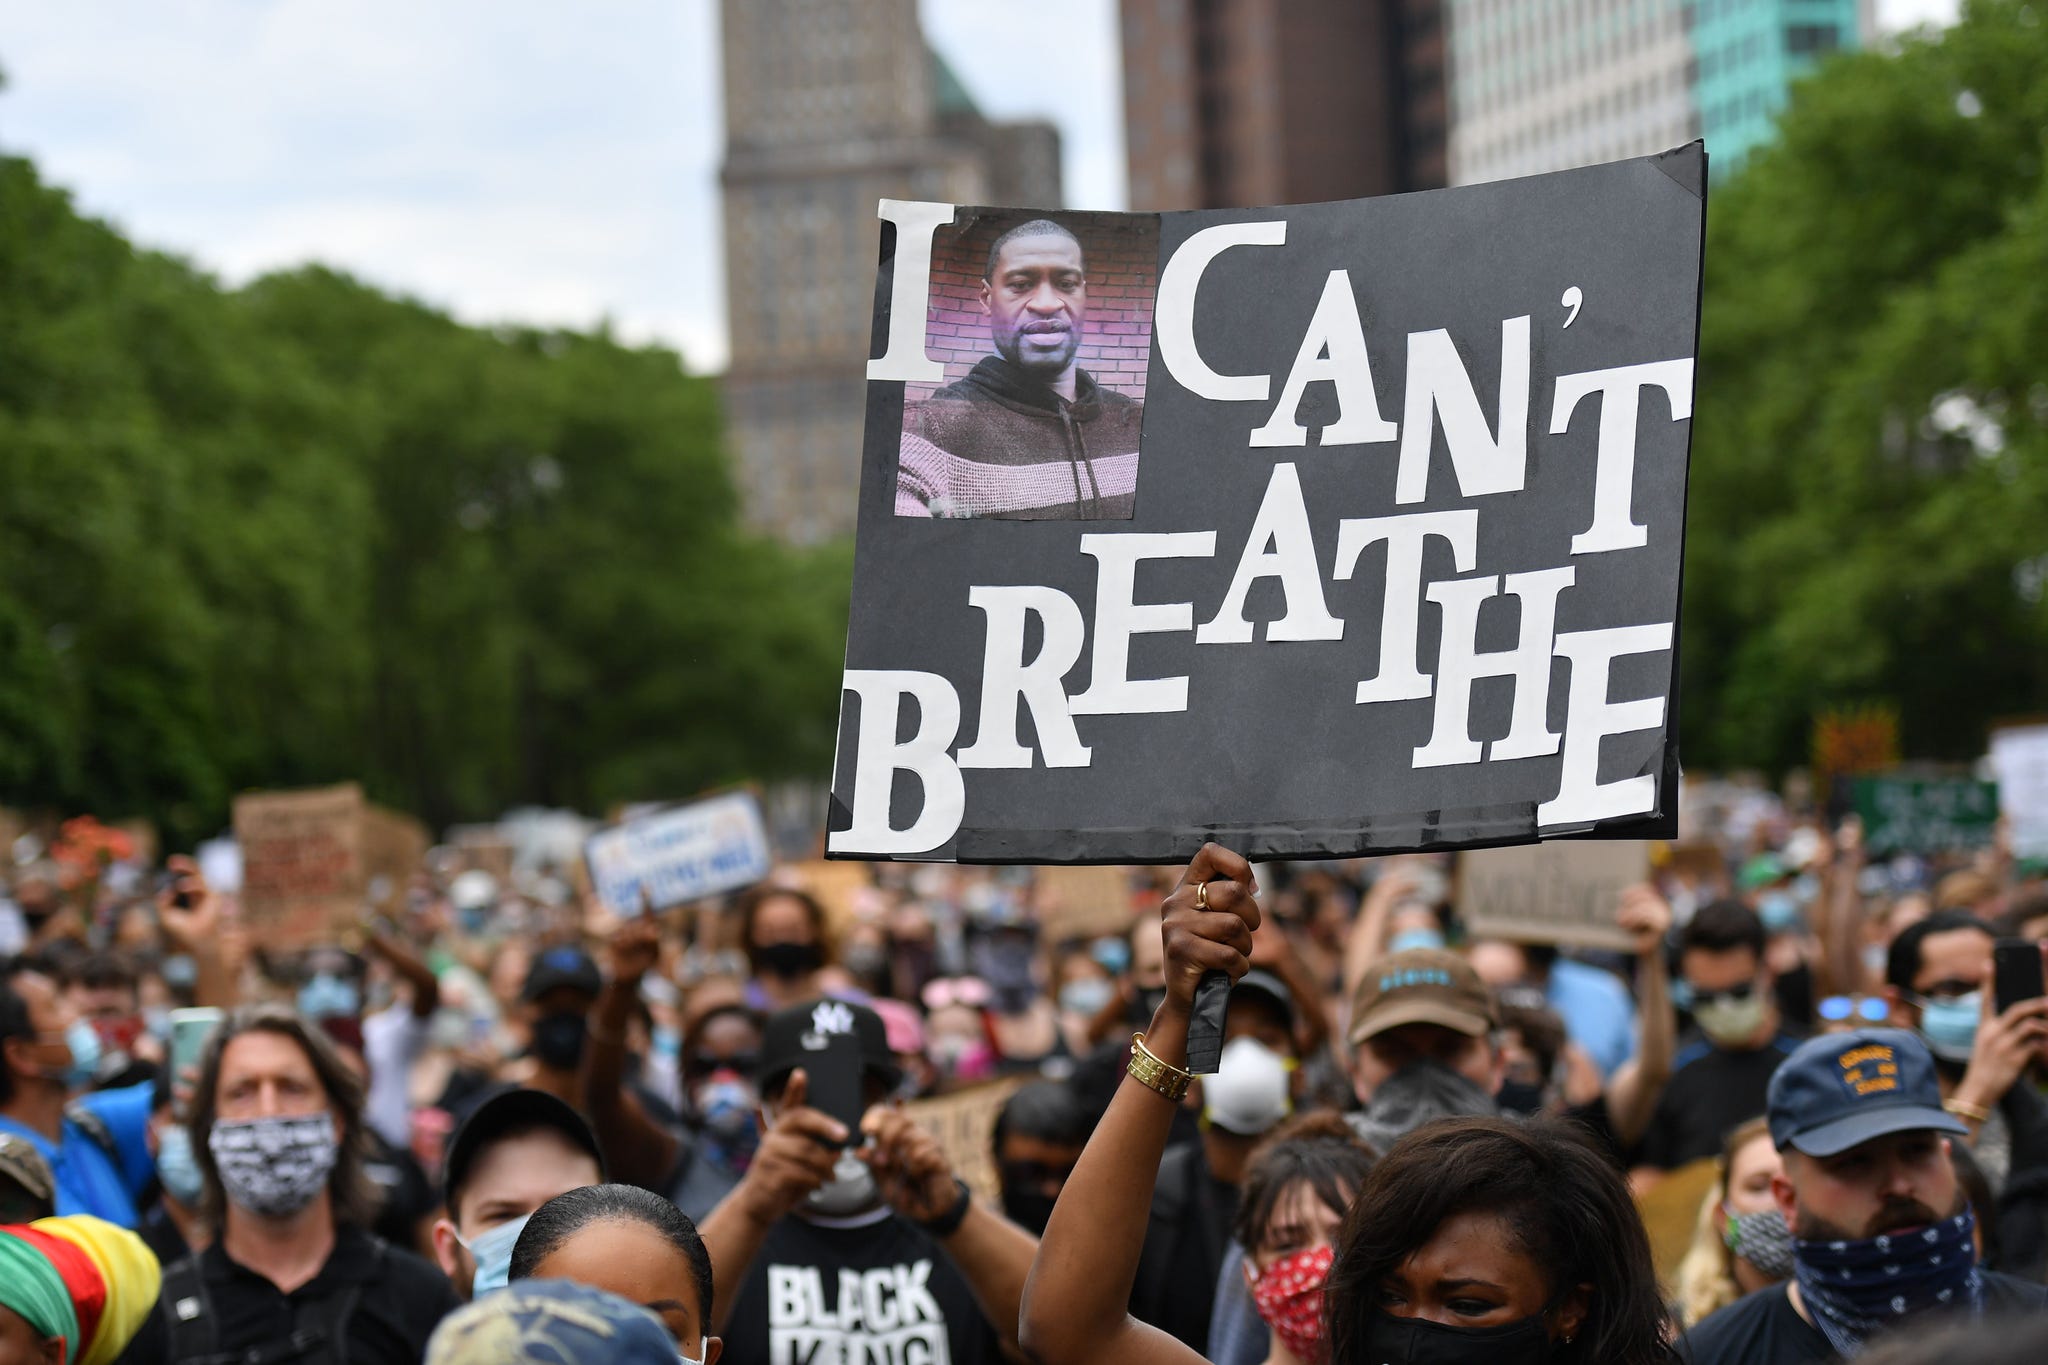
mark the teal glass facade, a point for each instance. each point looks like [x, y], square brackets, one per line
[1747, 54]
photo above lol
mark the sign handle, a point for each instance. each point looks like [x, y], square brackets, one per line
[1205, 1024]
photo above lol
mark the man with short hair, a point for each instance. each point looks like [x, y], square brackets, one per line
[1937, 979]
[1882, 1235]
[1719, 1078]
[818, 1229]
[515, 1151]
[1026, 434]
[97, 1145]
[277, 1130]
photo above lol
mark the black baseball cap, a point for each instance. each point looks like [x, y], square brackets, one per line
[562, 965]
[794, 1036]
[1840, 1090]
[1260, 983]
[513, 1110]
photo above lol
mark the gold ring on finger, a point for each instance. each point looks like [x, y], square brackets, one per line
[1201, 895]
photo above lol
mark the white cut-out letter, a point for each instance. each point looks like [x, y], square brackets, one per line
[910, 282]
[1400, 678]
[1589, 718]
[1111, 689]
[1282, 525]
[1007, 680]
[1614, 474]
[1333, 351]
[1439, 386]
[1173, 312]
[877, 758]
[1459, 665]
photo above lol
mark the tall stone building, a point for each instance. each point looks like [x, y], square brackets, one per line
[1235, 103]
[831, 105]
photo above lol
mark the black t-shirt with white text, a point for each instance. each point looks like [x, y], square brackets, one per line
[1764, 1329]
[1711, 1090]
[877, 1292]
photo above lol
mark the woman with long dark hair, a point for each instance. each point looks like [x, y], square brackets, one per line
[1484, 1240]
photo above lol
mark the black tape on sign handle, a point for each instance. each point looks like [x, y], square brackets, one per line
[1205, 1024]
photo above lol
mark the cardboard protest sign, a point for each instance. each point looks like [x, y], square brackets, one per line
[303, 874]
[1320, 530]
[1550, 893]
[680, 855]
[1082, 902]
[964, 1124]
[1924, 815]
[2019, 756]
[394, 848]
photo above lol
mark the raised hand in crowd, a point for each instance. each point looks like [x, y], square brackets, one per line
[637, 1149]
[2008, 1042]
[195, 922]
[1632, 1090]
[1075, 1307]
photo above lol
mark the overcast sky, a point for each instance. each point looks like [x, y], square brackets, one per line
[507, 159]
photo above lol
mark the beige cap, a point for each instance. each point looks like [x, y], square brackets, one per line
[1422, 986]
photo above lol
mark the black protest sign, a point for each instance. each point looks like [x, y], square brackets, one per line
[1378, 550]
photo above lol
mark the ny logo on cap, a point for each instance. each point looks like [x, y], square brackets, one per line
[831, 1016]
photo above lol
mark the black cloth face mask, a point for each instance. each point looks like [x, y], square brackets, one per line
[558, 1040]
[788, 960]
[1418, 1341]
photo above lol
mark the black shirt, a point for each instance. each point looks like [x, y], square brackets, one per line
[1186, 1239]
[401, 1299]
[880, 1290]
[1764, 1329]
[1711, 1090]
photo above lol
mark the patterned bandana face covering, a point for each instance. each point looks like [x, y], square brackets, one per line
[1762, 1239]
[1854, 1288]
[274, 1166]
[1289, 1298]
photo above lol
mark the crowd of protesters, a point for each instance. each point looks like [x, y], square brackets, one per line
[496, 1122]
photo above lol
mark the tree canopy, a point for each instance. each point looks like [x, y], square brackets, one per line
[304, 531]
[1869, 483]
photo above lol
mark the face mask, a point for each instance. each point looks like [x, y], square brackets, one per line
[850, 1190]
[1779, 910]
[558, 1040]
[788, 960]
[1854, 1288]
[1415, 938]
[84, 1041]
[703, 1349]
[274, 1167]
[1418, 1341]
[1950, 1026]
[865, 959]
[156, 1022]
[328, 996]
[1763, 1240]
[492, 1252]
[1150, 1001]
[1726, 1020]
[1028, 1206]
[1520, 1097]
[1289, 1299]
[176, 1168]
[1087, 996]
[1248, 1095]
[727, 1106]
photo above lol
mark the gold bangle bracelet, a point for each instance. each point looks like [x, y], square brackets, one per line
[1963, 1109]
[1147, 1070]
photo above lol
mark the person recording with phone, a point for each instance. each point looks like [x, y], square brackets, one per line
[1943, 981]
[846, 1191]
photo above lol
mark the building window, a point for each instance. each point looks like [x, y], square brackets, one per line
[1811, 40]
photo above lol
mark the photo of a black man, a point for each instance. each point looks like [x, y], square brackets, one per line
[1031, 432]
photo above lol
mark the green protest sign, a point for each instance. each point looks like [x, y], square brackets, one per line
[1925, 815]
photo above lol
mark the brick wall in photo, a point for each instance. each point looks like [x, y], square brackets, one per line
[1123, 270]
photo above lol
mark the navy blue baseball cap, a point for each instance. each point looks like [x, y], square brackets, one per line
[1840, 1090]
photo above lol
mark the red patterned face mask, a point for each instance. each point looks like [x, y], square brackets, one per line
[1289, 1297]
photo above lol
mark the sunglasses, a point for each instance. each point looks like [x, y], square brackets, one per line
[1836, 1008]
[1732, 993]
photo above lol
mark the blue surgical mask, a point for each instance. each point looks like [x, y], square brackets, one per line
[328, 996]
[1415, 938]
[1780, 911]
[175, 1168]
[492, 1252]
[1086, 995]
[84, 1040]
[1950, 1026]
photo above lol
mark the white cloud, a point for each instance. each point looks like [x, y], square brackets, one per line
[508, 160]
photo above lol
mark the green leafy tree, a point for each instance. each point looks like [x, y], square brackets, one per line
[1870, 467]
